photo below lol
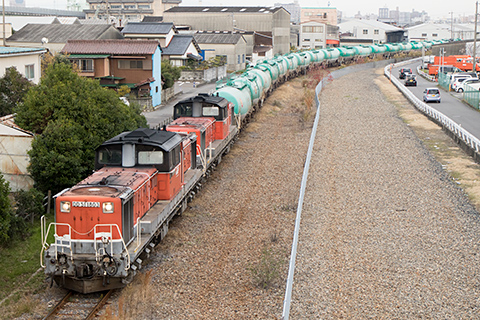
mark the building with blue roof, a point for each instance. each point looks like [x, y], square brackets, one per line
[26, 60]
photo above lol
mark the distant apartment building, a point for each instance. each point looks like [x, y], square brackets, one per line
[294, 9]
[122, 11]
[327, 15]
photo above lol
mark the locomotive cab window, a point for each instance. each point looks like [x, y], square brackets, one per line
[150, 157]
[111, 155]
[211, 111]
[183, 110]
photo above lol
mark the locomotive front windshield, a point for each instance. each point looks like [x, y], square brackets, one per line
[183, 110]
[110, 155]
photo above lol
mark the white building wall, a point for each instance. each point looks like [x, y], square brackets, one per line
[20, 62]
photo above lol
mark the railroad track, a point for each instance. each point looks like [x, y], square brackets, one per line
[79, 306]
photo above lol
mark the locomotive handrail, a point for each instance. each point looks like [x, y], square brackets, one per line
[110, 234]
[469, 139]
[44, 241]
[202, 158]
[139, 235]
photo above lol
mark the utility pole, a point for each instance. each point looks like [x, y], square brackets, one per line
[475, 40]
[3, 11]
[451, 25]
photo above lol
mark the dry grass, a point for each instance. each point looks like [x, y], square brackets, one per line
[136, 298]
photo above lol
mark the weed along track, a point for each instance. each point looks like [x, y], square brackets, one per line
[79, 306]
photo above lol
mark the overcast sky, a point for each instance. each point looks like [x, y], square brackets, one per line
[435, 8]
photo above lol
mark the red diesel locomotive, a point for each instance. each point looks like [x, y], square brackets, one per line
[107, 222]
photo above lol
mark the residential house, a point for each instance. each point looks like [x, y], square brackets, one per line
[275, 20]
[230, 45]
[14, 146]
[27, 61]
[132, 63]
[176, 48]
[371, 31]
[161, 31]
[182, 47]
[55, 36]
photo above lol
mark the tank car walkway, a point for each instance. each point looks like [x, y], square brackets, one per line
[384, 232]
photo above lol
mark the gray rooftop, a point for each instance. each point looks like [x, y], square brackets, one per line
[225, 38]
[179, 45]
[225, 9]
[148, 28]
[60, 33]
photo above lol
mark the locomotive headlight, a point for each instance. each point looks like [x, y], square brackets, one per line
[108, 207]
[65, 206]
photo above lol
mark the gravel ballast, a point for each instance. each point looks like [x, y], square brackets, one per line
[385, 233]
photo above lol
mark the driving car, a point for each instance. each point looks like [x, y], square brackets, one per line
[404, 72]
[460, 87]
[410, 80]
[431, 94]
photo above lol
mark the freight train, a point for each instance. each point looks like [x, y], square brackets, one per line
[108, 223]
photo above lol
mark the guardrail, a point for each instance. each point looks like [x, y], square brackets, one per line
[470, 141]
[425, 75]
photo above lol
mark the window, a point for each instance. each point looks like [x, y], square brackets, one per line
[143, 6]
[318, 40]
[325, 15]
[424, 34]
[306, 40]
[243, 58]
[30, 71]
[111, 155]
[308, 13]
[115, 6]
[85, 65]
[130, 6]
[130, 64]
[365, 31]
[376, 31]
[210, 111]
[238, 58]
[311, 29]
[434, 34]
[150, 157]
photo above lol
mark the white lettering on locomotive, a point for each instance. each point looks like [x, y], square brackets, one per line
[86, 204]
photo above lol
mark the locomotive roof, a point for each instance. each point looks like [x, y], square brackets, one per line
[206, 98]
[145, 136]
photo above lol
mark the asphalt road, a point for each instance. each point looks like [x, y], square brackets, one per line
[452, 104]
[183, 90]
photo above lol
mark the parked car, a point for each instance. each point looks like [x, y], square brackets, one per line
[404, 72]
[457, 76]
[411, 80]
[460, 87]
[431, 94]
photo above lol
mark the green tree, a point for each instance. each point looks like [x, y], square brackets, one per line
[13, 87]
[170, 74]
[72, 116]
[11, 226]
[29, 204]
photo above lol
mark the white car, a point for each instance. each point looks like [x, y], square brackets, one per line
[458, 77]
[460, 87]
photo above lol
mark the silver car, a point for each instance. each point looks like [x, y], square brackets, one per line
[431, 94]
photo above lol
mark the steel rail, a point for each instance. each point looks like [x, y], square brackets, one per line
[99, 305]
[59, 305]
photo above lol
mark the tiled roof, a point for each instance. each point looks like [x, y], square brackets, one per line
[178, 45]
[226, 38]
[128, 47]
[60, 33]
[225, 9]
[148, 27]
